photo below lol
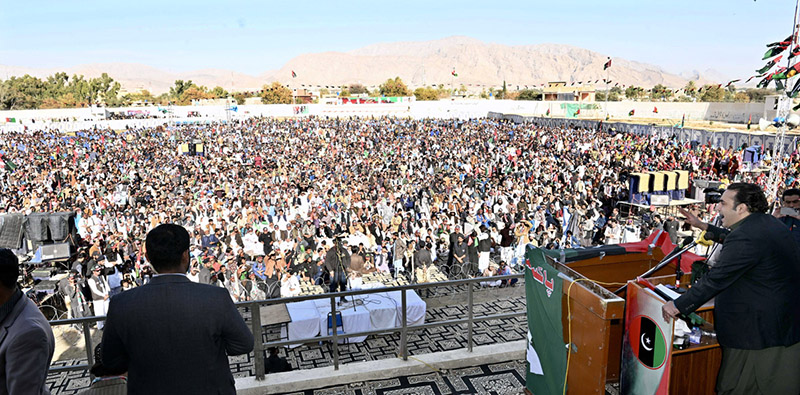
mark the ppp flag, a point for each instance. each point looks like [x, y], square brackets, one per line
[547, 352]
[646, 344]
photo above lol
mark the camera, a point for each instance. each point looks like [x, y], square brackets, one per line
[790, 211]
[713, 195]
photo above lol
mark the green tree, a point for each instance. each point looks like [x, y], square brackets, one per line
[276, 94]
[712, 93]
[57, 84]
[741, 97]
[219, 93]
[529, 94]
[394, 87]
[758, 95]
[193, 93]
[690, 89]
[106, 89]
[462, 90]
[176, 91]
[324, 92]
[634, 92]
[660, 92]
[344, 92]
[357, 89]
[425, 93]
[239, 97]
[20, 93]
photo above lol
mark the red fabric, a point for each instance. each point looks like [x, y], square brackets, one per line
[665, 244]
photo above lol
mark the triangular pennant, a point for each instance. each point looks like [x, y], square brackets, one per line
[769, 65]
[795, 52]
[773, 52]
[785, 42]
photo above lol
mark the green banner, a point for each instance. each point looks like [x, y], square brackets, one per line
[546, 354]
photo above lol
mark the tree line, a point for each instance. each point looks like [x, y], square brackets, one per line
[62, 91]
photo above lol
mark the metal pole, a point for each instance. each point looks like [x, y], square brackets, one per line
[335, 334]
[469, 316]
[607, 92]
[87, 338]
[404, 327]
[258, 348]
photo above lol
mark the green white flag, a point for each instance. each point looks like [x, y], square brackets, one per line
[547, 353]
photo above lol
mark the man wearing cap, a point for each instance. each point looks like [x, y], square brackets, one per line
[100, 292]
[174, 336]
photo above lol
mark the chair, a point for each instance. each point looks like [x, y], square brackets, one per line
[339, 324]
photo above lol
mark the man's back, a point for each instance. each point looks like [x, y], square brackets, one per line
[173, 335]
[26, 349]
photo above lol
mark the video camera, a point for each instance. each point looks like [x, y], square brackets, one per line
[713, 195]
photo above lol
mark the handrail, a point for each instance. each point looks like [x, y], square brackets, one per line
[258, 330]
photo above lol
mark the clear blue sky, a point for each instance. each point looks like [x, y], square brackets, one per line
[253, 37]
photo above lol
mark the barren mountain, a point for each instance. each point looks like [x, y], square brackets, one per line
[418, 63]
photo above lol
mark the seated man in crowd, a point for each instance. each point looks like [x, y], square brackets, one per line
[490, 272]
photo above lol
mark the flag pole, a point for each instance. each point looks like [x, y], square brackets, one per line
[784, 109]
[607, 92]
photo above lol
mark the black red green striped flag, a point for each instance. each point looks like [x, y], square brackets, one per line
[647, 342]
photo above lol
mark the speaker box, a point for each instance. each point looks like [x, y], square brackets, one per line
[55, 252]
[11, 229]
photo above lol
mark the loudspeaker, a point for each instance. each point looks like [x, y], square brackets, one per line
[11, 228]
[55, 252]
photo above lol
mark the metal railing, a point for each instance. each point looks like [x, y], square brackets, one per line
[258, 329]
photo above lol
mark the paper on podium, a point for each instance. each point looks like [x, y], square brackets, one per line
[672, 294]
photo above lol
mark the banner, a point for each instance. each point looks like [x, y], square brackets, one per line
[546, 354]
[646, 344]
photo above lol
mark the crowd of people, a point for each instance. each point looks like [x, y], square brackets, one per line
[266, 199]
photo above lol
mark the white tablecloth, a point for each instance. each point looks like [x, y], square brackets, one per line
[305, 320]
[375, 311]
[415, 313]
[353, 320]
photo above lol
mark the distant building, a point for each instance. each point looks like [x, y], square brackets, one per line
[560, 91]
[303, 96]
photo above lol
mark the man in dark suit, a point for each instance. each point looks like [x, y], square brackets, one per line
[756, 283]
[671, 227]
[337, 261]
[173, 336]
[26, 339]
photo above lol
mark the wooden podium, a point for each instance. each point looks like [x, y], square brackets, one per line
[598, 326]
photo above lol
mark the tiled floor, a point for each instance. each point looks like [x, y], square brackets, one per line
[442, 305]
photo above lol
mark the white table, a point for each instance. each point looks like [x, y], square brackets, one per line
[415, 308]
[374, 311]
[305, 320]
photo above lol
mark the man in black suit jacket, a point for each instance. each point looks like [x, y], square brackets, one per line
[756, 283]
[174, 336]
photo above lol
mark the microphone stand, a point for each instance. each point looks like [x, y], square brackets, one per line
[664, 262]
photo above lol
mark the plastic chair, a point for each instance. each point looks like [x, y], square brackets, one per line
[339, 324]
